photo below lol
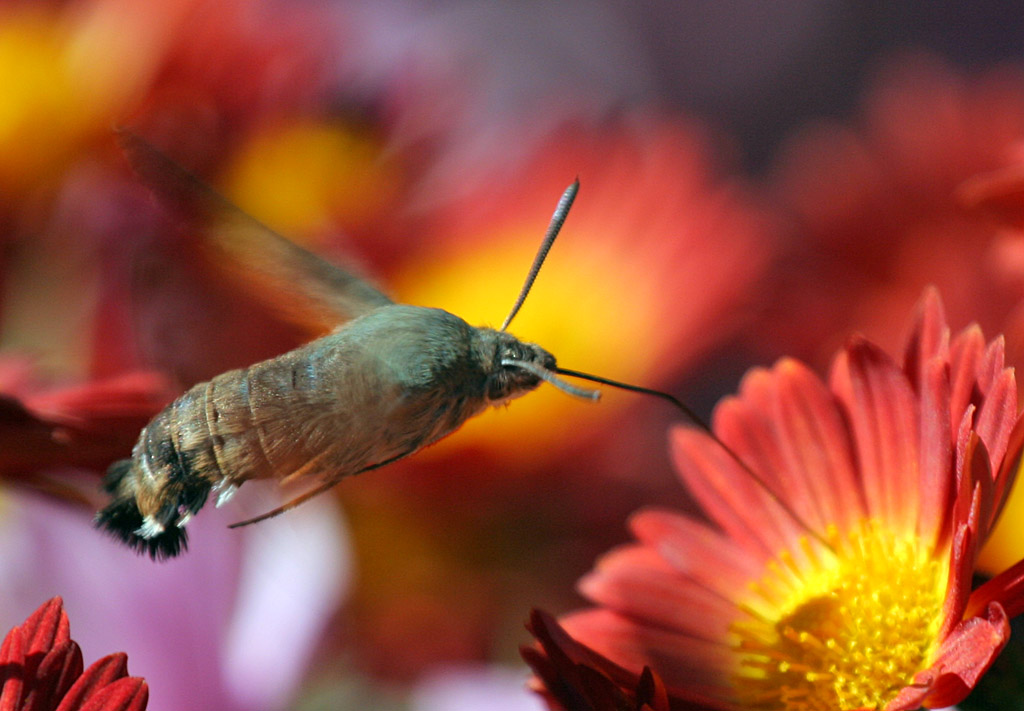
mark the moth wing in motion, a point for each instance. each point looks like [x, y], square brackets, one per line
[305, 288]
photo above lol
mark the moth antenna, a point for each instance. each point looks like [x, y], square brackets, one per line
[697, 420]
[557, 220]
[549, 377]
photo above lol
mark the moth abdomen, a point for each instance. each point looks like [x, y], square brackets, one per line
[124, 520]
[165, 482]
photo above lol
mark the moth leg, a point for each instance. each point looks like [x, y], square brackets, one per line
[307, 468]
[304, 497]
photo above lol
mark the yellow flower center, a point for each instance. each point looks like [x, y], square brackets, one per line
[841, 630]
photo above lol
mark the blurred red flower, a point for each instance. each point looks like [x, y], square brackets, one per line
[41, 670]
[87, 425]
[848, 520]
[876, 215]
[659, 256]
[655, 265]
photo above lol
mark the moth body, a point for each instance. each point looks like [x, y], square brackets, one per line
[386, 380]
[373, 391]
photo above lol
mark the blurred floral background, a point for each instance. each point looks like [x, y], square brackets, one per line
[757, 180]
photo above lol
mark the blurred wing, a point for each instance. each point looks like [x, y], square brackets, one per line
[305, 288]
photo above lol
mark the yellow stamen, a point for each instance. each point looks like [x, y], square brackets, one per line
[854, 629]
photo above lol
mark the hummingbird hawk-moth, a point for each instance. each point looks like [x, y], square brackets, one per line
[388, 380]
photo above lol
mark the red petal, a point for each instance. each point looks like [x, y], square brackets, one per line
[12, 668]
[100, 674]
[965, 355]
[1010, 465]
[128, 694]
[1007, 589]
[566, 654]
[46, 627]
[883, 414]
[963, 658]
[637, 582]
[691, 667]
[997, 416]
[929, 338]
[694, 548]
[87, 426]
[728, 494]
[55, 675]
[999, 194]
[818, 473]
[958, 583]
[936, 488]
[651, 692]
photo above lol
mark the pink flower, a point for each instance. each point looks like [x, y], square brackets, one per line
[847, 520]
[41, 670]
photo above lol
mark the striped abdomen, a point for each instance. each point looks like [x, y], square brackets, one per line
[374, 391]
[290, 416]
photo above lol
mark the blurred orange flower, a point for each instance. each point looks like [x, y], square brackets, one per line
[849, 518]
[876, 215]
[41, 670]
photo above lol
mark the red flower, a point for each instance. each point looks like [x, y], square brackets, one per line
[876, 214]
[575, 678]
[849, 518]
[87, 426]
[41, 669]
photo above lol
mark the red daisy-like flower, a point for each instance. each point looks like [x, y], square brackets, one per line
[875, 212]
[848, 520]
[41, 670]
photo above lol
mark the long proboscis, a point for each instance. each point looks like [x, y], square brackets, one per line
[554, 227]
[699, 422]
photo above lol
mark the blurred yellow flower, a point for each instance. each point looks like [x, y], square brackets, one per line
[653, 267]
[68, 75]
[307, 176]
